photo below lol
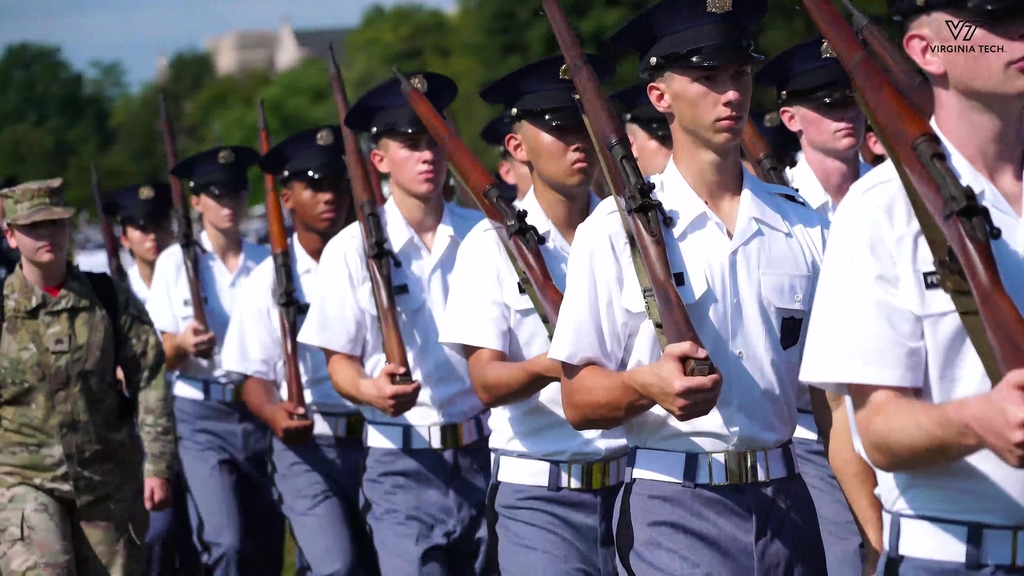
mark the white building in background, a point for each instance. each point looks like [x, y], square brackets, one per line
[276, 51]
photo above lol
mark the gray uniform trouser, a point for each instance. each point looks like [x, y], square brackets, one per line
[759, 529]
[426, 509]
[318, 487]
[839, 533]
[564, 532]
[224, 453]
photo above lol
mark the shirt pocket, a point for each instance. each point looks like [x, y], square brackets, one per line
[19, 360]
[787, 298]
[690, 288]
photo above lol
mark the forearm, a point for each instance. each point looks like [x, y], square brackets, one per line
[173, 351]
[347, 375]
[156, 427]
[594, 398]
[901, 433]
[500, 382]
[260, 396]
[855, 477]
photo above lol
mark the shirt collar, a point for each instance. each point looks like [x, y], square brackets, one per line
[969, 176]
[304, 263]
[400, 233]
[536, 216]
[683, 204]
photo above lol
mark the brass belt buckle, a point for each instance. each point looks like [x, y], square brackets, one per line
[593, 475]
[354, 426]
[740, 467]
[451, 436]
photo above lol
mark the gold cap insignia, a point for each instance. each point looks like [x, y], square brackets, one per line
[782, 95]
[563, 72]
[653, 61]
[419, 82]
[719, 6]
[826, 50]
[225, 156]
[146, 192]
[772, 119]
[514, 112]
[325, 137]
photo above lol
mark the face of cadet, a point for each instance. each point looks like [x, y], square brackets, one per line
[415, 164]
[322, 206]
[993, 73]
[710, 105]
[41, 243]
[148, 241]
[222, 212]
[832, 130]
[562, 158]
[651, 155]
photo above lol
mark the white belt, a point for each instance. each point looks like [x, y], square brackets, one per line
[208, 390]
[442, 437]
[806, 429]
[571, 475]
[947, 541]
[338, 425]
[715, 468]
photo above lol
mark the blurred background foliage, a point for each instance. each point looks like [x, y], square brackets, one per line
[55, 120]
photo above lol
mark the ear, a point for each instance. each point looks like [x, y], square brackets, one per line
[380, 160]
[196, 205]
[790, 119]
[287, 197]
[124, 239]
[516, 146]
[9, 234]
[918, 43]
[657, 91]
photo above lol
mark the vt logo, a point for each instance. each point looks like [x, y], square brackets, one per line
[962, 30]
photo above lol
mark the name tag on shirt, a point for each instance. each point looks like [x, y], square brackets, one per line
[401, 289]
[931, 281]
[680, 278]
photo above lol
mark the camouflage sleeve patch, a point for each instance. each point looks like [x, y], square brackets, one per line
[142, 362]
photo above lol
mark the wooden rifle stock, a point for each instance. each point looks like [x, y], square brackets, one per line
[759, 152]
[521, 240]
[970, 266]
[378, 256]
[109, 240]
[910, 81]
[186, 236]
[636, 193]
[287, 304]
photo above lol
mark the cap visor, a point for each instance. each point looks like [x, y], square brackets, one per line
[42, 214]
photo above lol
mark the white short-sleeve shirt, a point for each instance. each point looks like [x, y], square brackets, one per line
[748, 297]
[487, 309]
[253, 342]
[343, 316]
[880, 319]
[170, 305]
[802, 178]
[138, 285]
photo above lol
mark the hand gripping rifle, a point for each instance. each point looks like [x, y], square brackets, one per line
[759, 152]
[186, 237]
[664, 306]
[284, 285]
[521, 241]
[109, 240]
[957, 227]
[375, 241]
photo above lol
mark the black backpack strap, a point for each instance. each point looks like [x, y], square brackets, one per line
[106, 291]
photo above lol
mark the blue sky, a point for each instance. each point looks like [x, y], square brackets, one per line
[137, 32]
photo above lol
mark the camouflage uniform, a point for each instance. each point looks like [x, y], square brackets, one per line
[71, 456]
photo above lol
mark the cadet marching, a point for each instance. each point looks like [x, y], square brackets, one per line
[846, 424]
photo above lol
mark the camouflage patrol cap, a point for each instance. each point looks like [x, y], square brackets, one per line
[36, 201]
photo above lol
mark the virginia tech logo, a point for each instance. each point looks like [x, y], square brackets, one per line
[962, 30]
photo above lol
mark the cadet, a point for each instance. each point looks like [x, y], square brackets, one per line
[73, 487]
[223, 448]
[553, 488]
[144, 214]
[427, 466]
[873, 151]
[816, 102]
[317, 479]
[744, 256]
[646, 127]
[511, 172]
[926, 412]
[9, 257]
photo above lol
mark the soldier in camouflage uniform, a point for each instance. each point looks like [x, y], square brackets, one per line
[73, 496]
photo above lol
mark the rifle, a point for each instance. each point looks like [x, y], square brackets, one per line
[109, 240]
[957, 227]
[521, 241]
[908, 78]
[186, 237]
[664, 307]
[287, 304]
[767, 166]
[378, 256]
